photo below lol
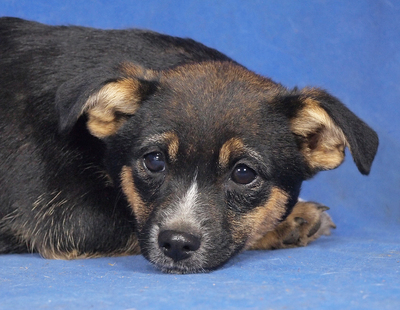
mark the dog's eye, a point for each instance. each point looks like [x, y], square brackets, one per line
[154, 162]
[243, 174]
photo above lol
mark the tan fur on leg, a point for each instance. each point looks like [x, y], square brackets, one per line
[307, 222]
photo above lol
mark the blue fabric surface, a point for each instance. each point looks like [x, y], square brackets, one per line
[334, 273]
[350, 48]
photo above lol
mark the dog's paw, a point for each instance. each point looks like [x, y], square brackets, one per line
[307, 222]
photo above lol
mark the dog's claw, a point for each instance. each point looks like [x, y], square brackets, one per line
[314, 229]
[323, 208]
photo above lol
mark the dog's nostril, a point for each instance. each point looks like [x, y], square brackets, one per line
[178, 245]
[166, 246]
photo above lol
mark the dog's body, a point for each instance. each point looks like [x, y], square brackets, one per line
[129, 141]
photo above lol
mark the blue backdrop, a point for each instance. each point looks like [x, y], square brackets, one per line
[350, 48]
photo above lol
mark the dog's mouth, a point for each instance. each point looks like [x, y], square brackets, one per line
[181, 268]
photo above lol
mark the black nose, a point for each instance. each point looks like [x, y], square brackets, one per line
[178, 245]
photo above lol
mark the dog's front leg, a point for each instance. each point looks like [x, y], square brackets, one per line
[307, 222]
[63, 226]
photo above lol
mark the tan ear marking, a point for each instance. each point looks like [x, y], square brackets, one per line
[323, 142]
[107, 109]
[131, 69]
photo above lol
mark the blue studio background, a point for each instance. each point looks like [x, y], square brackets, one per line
[350, 48]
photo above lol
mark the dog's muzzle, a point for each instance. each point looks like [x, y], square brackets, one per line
[184, 238]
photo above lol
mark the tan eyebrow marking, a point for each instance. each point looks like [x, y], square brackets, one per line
[173, 144]
[170, 138]
[232, 147]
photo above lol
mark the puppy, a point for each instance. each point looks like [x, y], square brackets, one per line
[120, 142]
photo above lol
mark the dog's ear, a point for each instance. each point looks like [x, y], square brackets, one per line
[107, 95]
[324, 127]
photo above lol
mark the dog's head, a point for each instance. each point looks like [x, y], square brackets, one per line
[210, 156]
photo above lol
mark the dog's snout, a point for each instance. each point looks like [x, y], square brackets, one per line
[178, 245]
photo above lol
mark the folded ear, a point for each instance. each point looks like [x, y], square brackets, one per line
[324, 127]
[107, 95]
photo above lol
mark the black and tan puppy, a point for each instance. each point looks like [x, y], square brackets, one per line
[125, 142]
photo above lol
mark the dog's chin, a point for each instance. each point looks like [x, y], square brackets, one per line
[182, 269]
[198, 263]
[187, 266]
